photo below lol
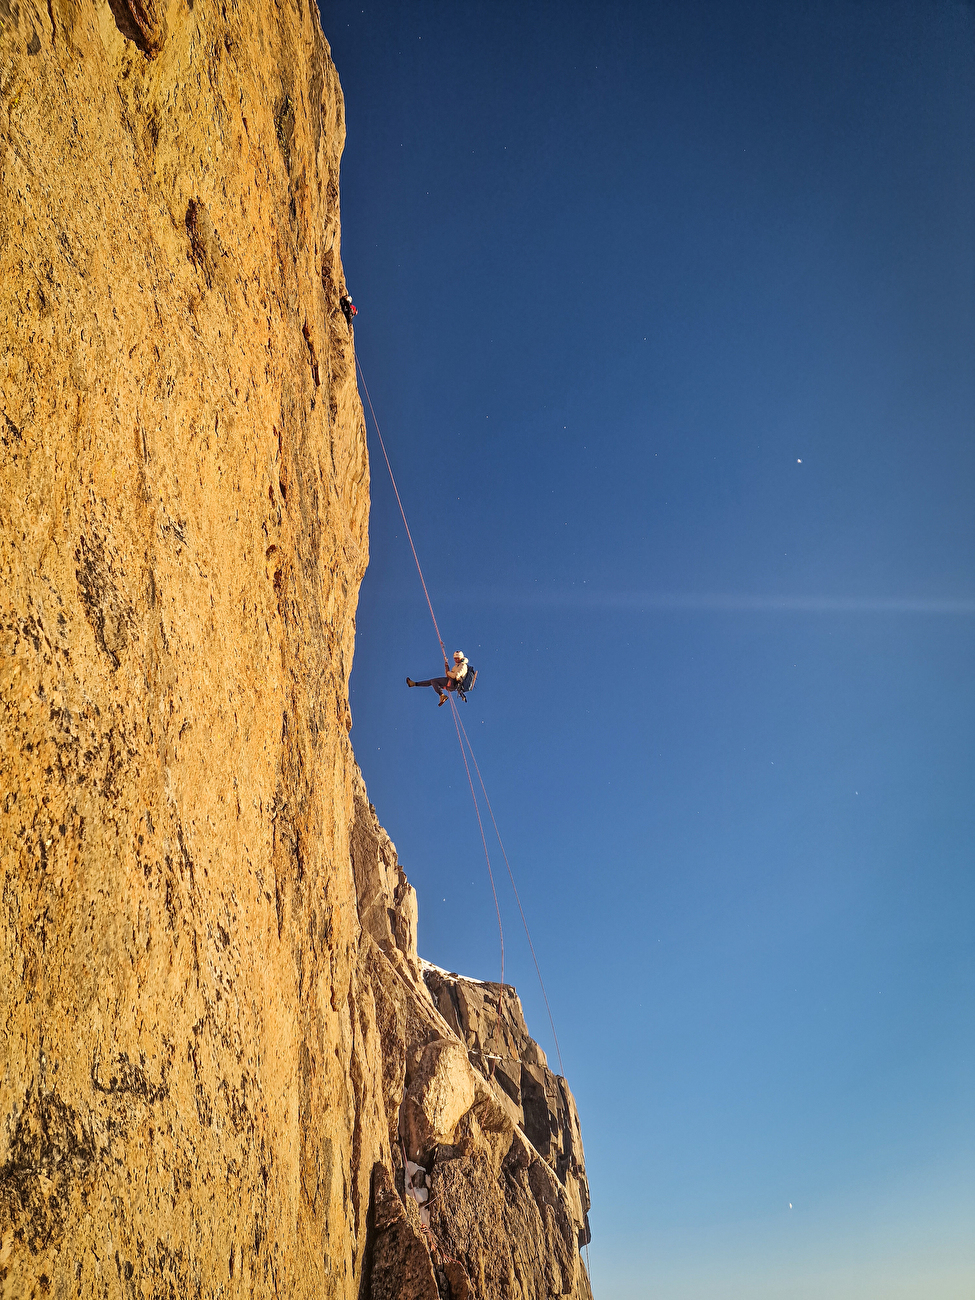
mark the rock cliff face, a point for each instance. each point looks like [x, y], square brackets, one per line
[223, 1068]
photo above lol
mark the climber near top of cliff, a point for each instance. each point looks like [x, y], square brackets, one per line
[349, 308]
[460, 678]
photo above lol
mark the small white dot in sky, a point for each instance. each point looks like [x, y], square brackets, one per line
[790, 1205]
[798, 462]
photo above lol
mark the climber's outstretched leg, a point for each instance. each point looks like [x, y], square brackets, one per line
[440, 684]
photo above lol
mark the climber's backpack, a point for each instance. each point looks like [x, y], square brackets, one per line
[470, 677]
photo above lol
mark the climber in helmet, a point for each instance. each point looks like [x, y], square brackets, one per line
[348, 307]
[456, 679]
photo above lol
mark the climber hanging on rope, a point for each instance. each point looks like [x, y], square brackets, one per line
[465, 744]
[460, 678]
[349, 308]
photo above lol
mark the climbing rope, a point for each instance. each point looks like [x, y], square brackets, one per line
[487, 858]
[463, 739]
[406, 525]
[514, 887]
[458, 725]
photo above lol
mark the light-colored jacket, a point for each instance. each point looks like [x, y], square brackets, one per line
[459, 670]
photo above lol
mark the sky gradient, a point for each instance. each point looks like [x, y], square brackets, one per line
[668, 315]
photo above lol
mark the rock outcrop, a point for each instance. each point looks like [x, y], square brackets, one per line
[223, 1068]
[487, 1165]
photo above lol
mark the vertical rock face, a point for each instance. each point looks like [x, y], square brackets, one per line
[221, 1067]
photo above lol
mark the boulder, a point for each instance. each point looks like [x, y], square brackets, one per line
[440, 1093]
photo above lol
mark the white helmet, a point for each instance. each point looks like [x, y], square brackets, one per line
[459, 654]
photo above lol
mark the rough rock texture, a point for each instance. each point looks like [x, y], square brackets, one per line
[488, 1020]
[485, 1141]
[217, 1048]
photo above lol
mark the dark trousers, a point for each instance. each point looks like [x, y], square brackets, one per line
[441, 683]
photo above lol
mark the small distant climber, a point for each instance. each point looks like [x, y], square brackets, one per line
[456, 679]
[349, 308]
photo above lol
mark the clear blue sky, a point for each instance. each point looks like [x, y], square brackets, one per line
[668, 314]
